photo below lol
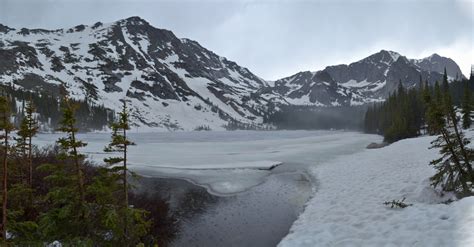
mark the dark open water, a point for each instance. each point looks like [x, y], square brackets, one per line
[260, 216]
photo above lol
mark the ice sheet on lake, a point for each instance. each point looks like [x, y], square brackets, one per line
[225, 162]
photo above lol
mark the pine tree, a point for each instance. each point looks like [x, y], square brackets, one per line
[454, 170]
[462, 142]
[111, 215]
[401, 89]
[23, 201]
[6, 126]
[400, 116]
[70, 144]
[425, 100]
[28, 129]
[434, 111]
[466, 107]
[68, 212]
[119, 143]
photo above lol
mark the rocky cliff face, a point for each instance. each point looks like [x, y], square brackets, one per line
[370, 79]
[172, 83]
[176, 84]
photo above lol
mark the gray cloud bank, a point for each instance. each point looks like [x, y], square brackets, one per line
[279, 38]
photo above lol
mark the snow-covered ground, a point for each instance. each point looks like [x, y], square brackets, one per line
[348, 209]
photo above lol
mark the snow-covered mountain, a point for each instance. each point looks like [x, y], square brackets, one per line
[172, 83]
[313, 88]
[370, 79]
[177, 84]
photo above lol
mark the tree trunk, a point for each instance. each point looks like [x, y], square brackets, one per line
[125, 182]
[78, 168]
[461, 145]
[30, 162]
[455, 157]
[5, 188]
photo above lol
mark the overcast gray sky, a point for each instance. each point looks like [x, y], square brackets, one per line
[277, 38]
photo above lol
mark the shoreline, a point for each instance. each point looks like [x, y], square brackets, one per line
[225, 206]
[208, 219]
[207, 186]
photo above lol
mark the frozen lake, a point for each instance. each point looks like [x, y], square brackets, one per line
[256, 180]
[225, 162]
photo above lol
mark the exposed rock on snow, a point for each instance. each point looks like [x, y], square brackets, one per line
[375, 145]
[176, 84]
[370, 79]
[173, 84]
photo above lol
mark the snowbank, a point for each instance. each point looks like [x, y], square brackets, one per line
[348, 210]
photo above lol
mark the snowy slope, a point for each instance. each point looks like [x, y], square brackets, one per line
[370, 79]
[176, 84]
[318, 89]
[172, 83]
[347, 208]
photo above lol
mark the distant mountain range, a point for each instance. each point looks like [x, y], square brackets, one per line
[176, 84]
[370, 79]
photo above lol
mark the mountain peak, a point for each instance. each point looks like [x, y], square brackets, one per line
[134, 20]
[5, 29]
[394, 55]
[438, 63]
[383, 56]
[434, 56]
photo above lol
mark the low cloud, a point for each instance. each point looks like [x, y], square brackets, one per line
[279, 38]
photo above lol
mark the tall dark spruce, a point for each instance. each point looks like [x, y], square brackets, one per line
[70, 144]
[6, 126]
[119, 143]
[24, 142]
[466, 107]
[454, 167]
[399, 117]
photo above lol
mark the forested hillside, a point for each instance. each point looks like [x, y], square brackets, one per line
[89, 116]
[313, 117]
[406, 112]
[55, 197]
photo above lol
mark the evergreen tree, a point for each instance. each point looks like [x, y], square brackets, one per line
[451, 116]
[401, 89]
[68, 213]
[426, 103]
[454, 170]
[6, 126]
[466, 107]
[453, 173]
[23, 202]
[133, 220]
[434, 113]
[119, 143]
[28, 129]
[70, 144]
[400, 116]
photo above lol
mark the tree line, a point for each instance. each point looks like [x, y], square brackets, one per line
[405, 112]
[316, 117]
[443, 110]
[48, 113]
[56, 195]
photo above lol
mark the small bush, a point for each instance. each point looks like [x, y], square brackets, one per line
[397, 203]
